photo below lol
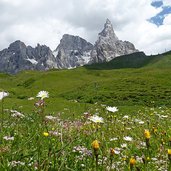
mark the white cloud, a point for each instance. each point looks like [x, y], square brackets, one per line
[167, 20]
[167, 2]
[44, 22]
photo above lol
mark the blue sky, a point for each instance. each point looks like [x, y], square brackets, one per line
[165, 10]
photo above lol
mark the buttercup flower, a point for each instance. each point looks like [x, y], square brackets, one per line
[46, 134]
[95, 144]
[147, 134]
[169, 154]
[43, 94]
[169, 151]
[132, 161]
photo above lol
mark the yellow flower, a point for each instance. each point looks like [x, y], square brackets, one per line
[112, 151]
[154, 130]
[95, 144]
[169, 151]
[147, 134]
[124, 159]
[148, 158]
[46, 134]
[132, 161]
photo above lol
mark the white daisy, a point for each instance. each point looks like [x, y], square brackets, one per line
[124, 145]
[127, 138]
[126, 117]
[43, 94]
[141, 122]
[114, 139]
[31, 98]
[51, 118]
[112, 109]
[3, 94]
[117, 150]
[96, 119]
[8, 138]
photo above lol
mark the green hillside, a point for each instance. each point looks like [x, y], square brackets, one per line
[65, 134]
[145, 81]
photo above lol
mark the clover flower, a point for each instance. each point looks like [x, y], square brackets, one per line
[43, 94]
[16, 163]
[15, 113]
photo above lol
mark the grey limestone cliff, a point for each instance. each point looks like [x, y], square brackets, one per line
[73, 51]
[108, 46]
[18, 57]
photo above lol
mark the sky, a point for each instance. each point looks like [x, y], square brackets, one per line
[145, 23]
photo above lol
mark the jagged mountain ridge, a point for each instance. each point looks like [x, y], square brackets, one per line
[73, 51]
[18, 57]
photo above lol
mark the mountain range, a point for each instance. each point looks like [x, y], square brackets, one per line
[73, 51]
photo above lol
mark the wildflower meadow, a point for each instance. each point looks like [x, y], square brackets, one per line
[101, 138]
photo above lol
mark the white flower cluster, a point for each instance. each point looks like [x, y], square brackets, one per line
[16, 163]
[16, 114]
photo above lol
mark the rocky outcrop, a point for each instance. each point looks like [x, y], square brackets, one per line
[108, 46]
[73, 51]
[18, 57]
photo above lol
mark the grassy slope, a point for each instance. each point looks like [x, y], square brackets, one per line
[146, 86]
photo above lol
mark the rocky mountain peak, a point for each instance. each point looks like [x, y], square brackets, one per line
[16, 46]
[108, 46]
[108, 31]
[73, 51]
[71, 42]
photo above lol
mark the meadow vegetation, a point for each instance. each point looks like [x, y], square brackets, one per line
[74, 129]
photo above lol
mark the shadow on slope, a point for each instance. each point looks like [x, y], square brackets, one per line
[135, 60]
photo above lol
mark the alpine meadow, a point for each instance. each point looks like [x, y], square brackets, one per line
[89, 118]
[85, 85]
